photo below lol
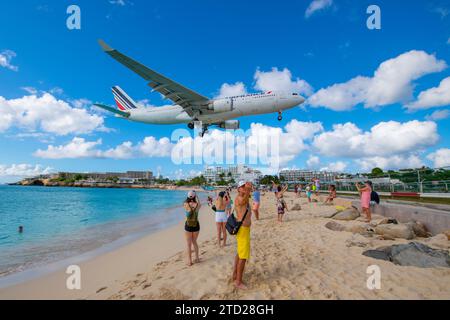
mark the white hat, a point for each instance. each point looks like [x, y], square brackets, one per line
[241, 184]
[192, 194]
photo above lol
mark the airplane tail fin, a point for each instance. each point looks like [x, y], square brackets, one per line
[123, 101]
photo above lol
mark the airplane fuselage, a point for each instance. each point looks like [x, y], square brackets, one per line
[219, 109]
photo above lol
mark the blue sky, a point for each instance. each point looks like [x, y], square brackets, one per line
[376, 115]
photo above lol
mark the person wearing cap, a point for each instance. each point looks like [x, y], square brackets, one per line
[365, 192]
[221, 218]
[242, 209]
[192, 226]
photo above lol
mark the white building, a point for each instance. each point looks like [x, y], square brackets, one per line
[299, 176]
[236, 173]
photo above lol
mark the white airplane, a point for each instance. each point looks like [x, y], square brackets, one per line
[190, 107]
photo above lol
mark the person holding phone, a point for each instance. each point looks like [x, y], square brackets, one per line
[192, 226]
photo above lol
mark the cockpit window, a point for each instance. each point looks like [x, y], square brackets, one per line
[295, 94]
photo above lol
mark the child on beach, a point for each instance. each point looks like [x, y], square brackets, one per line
[365, 192]
[308, 193]
[192, 226]
[331, 195]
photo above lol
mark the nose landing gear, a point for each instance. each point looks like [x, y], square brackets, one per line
[280, 116]
[191, 126]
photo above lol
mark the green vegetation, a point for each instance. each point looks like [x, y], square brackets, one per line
[412, 175]
[196, 181]
[267, 180]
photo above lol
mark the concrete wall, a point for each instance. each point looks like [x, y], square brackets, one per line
[435, 220]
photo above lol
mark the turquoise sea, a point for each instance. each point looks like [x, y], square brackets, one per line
[64, 222]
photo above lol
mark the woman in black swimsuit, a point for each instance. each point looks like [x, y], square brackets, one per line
[192, 226]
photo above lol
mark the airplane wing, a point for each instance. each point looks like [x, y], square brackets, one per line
[113, 110]
[180, 95]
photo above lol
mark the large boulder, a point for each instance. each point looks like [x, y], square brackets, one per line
[447, 233]
[439, 240]
[328, 215]
[419, 255]
[412, 254]
[387, 221]
[419, 229]
[332, 225]
[401, 231]
[347, 215]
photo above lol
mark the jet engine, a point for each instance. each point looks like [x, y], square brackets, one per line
[221, 105]
[229, 124]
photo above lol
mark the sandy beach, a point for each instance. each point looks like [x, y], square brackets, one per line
[297, 259]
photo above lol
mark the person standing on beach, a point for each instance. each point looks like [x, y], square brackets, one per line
[221, 218]
[229, 202]
[192, 226]
[365, 192]
[308, 193]
[256, 202]
[281, 204]
[317, 186]
[243, 236]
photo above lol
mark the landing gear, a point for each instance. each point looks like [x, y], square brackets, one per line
[199, 127]
[204, 130]
[280, 116]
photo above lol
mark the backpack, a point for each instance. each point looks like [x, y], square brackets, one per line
[233, 225]
[375, 197]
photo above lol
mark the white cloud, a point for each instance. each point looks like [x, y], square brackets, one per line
[438, 115]
[338, 166]
[18, 171]
[280, 80]
[313, 162]
[5, 60]
[448, 41]
[391, 83]
[440, 158]
[230, 90]
[81, 148]
[151, 147]
[122, 151]
[317, 5]
[390, 162]
[384, 139]
[434, 97]
[48, 114]
[77, 148]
